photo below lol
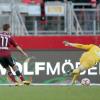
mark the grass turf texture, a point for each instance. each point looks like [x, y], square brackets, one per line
[50, 93]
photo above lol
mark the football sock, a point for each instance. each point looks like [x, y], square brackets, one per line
[19, 75]
[12, 77]
[75, 75]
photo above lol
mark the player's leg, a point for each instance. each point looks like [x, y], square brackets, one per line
[15, 68]
[10, 75]
[18, 73]
[76, 73]
[5, 64]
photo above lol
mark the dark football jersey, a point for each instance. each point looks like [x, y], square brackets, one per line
[6, 41]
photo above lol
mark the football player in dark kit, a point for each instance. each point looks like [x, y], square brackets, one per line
[6, 60]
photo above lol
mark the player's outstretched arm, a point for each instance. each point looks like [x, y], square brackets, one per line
[77, 45]
[66, 43]
[21, 50]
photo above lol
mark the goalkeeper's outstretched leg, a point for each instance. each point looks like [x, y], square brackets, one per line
[76, 73]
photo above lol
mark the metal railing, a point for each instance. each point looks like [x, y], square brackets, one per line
[10, 14]
[56, 24]
[17, 23]
[75, 21]
[79, 21]
[9, 1]
[88, 18]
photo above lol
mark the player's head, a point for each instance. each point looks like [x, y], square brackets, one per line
[6, 27]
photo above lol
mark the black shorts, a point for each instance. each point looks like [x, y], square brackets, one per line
[7, 61]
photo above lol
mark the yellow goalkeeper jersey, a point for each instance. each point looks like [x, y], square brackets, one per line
[91, 56]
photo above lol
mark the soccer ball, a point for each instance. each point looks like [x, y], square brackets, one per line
[85, 82]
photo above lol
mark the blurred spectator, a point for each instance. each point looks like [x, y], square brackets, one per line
[93, 2]
[27, 1]
[98, 17]
[32, 1]
[65, 1]
[54, 0]
[43, 16]
[38, 1]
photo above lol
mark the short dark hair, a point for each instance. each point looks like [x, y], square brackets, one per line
[6, 27]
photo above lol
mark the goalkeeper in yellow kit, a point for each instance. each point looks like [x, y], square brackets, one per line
[87, 60]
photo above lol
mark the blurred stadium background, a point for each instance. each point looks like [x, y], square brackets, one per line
[51, 17]
[40, 26]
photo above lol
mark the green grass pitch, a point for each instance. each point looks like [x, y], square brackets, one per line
[50, 93]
